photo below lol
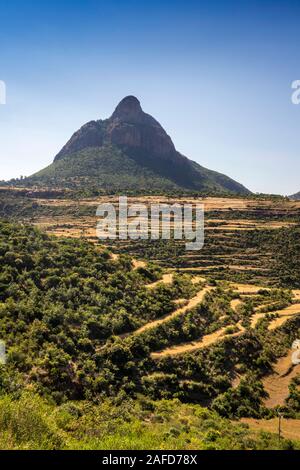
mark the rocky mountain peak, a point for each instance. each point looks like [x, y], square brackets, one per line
[132, 141]
[128, 110]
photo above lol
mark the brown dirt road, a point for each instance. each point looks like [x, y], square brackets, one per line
[191, 303]
[205, 341]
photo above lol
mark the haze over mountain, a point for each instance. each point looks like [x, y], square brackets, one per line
[296, 196]
[129, 151]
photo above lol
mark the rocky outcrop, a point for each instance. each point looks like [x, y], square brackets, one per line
[93, 151]
[128, 127]
[89, 135]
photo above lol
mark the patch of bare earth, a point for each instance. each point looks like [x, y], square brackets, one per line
[277, 383]
[246, 289]
[296, 294]
[166, 279]
[138, 263]
[284, 315]
[290, 428]
[235, 303]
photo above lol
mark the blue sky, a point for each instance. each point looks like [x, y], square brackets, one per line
[216, 74]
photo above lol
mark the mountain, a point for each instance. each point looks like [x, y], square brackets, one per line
[129, 151]
[296, 196]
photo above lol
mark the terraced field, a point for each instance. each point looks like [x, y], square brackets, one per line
[226, 254]
[221, 346]
[205, 341]
[277, 383]
[230, 320]
[193, 302]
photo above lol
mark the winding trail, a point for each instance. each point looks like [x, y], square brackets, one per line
[179, 311]
[296, 294]
[247, 289]
[259, 314]
[284, 315]
[205, 341]
[166, 279]
[255, 318]
[136, 263]
[235, 303]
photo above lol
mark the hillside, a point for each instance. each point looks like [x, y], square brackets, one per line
[102, 349]
[128, 151]
[33, 423]
[296, 197]
[79, 324]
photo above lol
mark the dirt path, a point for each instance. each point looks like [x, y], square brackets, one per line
[135, 262]
[138, 263]
[255, 318]
[205, 341]
[166, 279]
[296, 294]
[196, 279]
[276, 384]
[191, 303]
[197, 268]
[259, 314]
[284, 315]
[114, 256]
[236, 380]
[247, 289]
[234, 304]
[290, 428]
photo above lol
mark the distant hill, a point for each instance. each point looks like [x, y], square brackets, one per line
[129, 151]
[296, 196]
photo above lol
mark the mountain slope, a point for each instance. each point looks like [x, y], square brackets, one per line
[296, 196]
[129, 151]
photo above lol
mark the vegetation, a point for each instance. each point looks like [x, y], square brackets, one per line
[79, 373]
[61, 299]
[30, 422]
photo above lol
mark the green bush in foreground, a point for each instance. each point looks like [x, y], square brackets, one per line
[30, 422]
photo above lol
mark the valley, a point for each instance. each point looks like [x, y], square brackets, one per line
[211, 328]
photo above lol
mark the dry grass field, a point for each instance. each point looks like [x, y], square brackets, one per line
[290, 428]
